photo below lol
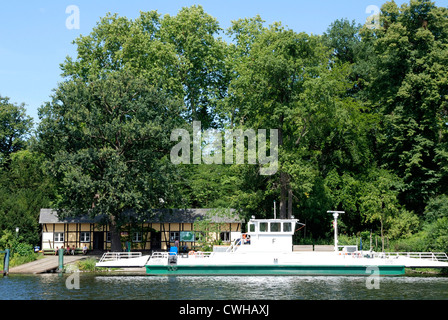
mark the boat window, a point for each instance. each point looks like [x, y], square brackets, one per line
[287, 226]
[251, 227]
[263, 226]
[275, 226]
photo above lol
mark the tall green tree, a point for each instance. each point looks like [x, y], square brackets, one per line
[408, 87]
[25, 188]
[287, 81]
[15, 129]
[107, 145]
[181, 54]
[344, 39]
[118, 43]
[201, 62]
[269, 79]
[379, 201]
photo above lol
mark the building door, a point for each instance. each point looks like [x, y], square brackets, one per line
[98, 240]
[156, 240]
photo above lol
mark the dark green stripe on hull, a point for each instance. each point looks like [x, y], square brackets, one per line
[176, 270]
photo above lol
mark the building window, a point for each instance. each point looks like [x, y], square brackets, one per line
[174, 235]
[137, 237]
[225, 236]
[85, 236]
[59, 237]
[108, 236]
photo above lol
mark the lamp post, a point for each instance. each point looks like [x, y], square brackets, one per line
[16, 242]
[335, 225]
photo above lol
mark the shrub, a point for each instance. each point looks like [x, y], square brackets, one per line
[23, 250]
[87, 264]
[437, 208]
[413, 243]
[404, 225]
[437, 235]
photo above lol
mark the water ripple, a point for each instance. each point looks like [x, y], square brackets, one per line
[128, 287]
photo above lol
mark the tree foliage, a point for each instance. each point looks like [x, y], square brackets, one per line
[25, 188]
[107, 146]
[408, 88]
[15, 128]
[361, 113]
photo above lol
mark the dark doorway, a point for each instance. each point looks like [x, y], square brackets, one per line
[98, 240]
[156, 240]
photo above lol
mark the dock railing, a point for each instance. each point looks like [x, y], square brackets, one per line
[114, 256]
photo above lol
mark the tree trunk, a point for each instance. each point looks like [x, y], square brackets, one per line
[283, 194]
[289, 203]
[283, 177]
[115, 236]
[382, 235]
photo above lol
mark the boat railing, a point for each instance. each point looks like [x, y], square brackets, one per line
[161, 255]
[199, 254]
[114, 256]
[244, 240]
[192, 254]
[433, 256]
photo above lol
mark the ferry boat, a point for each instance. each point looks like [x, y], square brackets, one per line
[267, 249]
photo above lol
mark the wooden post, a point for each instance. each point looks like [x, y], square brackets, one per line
[61, 259]
[6, 262]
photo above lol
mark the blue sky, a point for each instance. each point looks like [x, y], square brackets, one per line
[34, 39]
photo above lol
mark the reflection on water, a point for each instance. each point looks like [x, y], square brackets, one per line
[142, 287]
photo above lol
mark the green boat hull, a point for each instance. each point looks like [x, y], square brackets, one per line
[285, 270]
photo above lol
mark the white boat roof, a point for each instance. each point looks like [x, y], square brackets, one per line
[274, 220]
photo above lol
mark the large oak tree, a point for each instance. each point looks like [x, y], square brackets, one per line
[107, 145]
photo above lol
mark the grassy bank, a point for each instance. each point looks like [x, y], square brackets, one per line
[426, 272]
[84, 265]
[17, 260]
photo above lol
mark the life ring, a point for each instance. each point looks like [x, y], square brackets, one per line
[191, 253]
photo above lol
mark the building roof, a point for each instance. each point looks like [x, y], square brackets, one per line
[155, 216]
[51, 216]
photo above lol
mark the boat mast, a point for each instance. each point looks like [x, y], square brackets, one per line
[335, 225]
[275, 211]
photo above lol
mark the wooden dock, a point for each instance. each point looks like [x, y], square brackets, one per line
[43, 265]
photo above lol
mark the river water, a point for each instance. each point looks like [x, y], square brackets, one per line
[109, 286]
